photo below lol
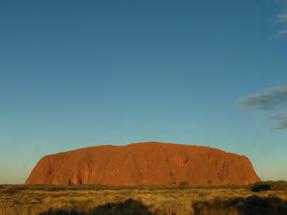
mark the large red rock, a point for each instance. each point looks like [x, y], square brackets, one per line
[149, 163]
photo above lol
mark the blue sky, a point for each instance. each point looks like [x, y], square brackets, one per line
[82, 73]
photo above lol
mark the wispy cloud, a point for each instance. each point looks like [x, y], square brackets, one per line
[281, 18]
[267, 99]
[282, 33]
[280, 120]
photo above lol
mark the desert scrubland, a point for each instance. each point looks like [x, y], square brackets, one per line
[264, 198]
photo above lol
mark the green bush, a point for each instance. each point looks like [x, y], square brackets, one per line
[261, 187]
[183, 185]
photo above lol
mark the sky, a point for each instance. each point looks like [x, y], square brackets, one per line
[84, 73]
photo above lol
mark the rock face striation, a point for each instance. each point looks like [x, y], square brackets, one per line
[149, 163]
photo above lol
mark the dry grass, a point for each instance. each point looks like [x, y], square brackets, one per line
[32, 200]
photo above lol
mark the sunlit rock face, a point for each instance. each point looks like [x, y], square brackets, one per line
[148, 163]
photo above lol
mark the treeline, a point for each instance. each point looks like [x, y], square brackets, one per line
[269, 185]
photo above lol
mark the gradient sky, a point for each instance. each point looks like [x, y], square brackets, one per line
[82, 73]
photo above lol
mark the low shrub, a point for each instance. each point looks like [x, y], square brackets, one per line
[253, 205]
[183, 185]
[129, 207]
[261, 187]
[269, 185]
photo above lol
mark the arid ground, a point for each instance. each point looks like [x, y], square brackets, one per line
[269, 198]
